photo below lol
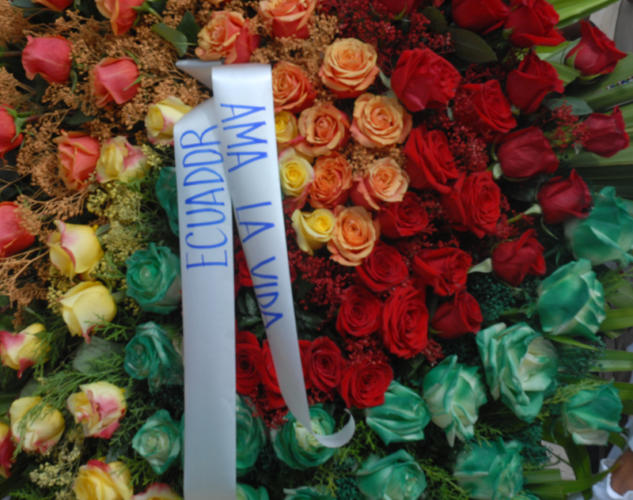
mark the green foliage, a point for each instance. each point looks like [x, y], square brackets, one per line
[494, 296]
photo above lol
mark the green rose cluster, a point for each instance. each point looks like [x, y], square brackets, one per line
[396, 476]
[591, 414]
[166, 192]
[246, 492]
[159, 441]
[306, 493]
[251, 437]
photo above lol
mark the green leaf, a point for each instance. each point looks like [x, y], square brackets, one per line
[578, 106]
[617, 440]
[618, 319]
[189, 28]
[625, 390]
[438, 21]
[565, 73]
[614, 361]
[470, 47]
[175, 37]
[571, 11]
[611, 90]
[565, 340]
[25, 4]
[541, 476]
[77, 118]
[98, 348]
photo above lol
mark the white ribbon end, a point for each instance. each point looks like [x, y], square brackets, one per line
[200, 70]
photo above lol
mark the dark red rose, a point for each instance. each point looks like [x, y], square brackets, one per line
[487, 108]
[561, 199]
[383, 269]
[445, 269]
[595, 54]
[325, 366]
[7, 449]
[405, 322]
[422, 79]
[479, 15]
[243, 274]
[13, 236]
[249, 362]
[8, 139]
[396, 7]
[365, 382]
[458, 316]
[474, 204]
[528, 85]
[430, 161]
[605, 134]
[360, 312]
[526, 153]
[533, 23]
[513, 260]
[269, 379]
[405, 218]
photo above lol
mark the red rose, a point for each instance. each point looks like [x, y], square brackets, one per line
[405, 321]
[528, 85]
[396, 7]
[533, 23]
[360, 312]
[268, 376]
[595, 54]
[13, 236]
[605, 134]
[405, 218]
[383, 269]
[479, 15]
[562, 199]
[57, 5]
[526, 153]
[513, 260]
[458, 316]
[243, 274]
[48, 56]
[430, 161]
[7, 449]
[325, 366]
[487, 108]
[248, 363]
[8, 139]
[365, 382]
[115, 80]
[445, 269]
[422, 79]
[474, 204]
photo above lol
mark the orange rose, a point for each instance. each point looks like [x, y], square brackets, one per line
[292, 91]
[288, 17]
[379, 121]
[332, 181]
[77, 154]
[227, 36]
[354, 235]
[383, 180]
[349, 67]
[323, 128]
[121, 13]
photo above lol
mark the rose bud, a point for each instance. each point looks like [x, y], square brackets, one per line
[430, 161]
[115, 80]
[349, 67]
[606, 134]
[19, 351]
[48, 56]
[479, 15]
[9, 138]
[532, 22]
[7, 448]
[121, 13]
[354, 235]
[323, 129]
[314, 229]
[382, 181]
[100, 481]
[292, 90]
[526, 153]
[74, 248]
[98, 408]
[385, 268]
[39, 431]
[379, 121]
[226, 36]
[85, 306]
[513, 260]
[56, 5]
[13, 236]
[445, 269]
[288, 17]
[121, 161]
[458, 316]
[161, 118]
[562, 199]
[528, 85]
[403, 218]
[77, 154]
[158, 491]
[595, 54]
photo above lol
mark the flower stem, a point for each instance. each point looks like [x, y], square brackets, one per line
[533, 210]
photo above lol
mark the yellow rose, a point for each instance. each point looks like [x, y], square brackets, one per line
[157, 491]
[313, 229]
[161, 118]
[286, 128]
[40, 431]
[7, 447]
[100, 481]
[379, 121]
[85, 305]
[120, 160]
[21, 350]
[74, 248]
[98, 408]
[349, 67]
[295, 173]
[354, 235]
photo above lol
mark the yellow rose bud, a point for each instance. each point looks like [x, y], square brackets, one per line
[120, 160]
[21, 350]
[157, 491]
[100, 481]
[7, 447]
[295, 173]
[161, 118]
[313, 229]
[85, 305]
[41, 430]
[74, 248]
[286, 128]
[98, 407]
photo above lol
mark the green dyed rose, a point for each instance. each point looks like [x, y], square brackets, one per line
[158, 441]
[153, 279]
[571, 301]
[150, 355]
[246, 492]
[401, 418]
[607, 233]
[453, 393]
[306, 493]
[251, 437]
[297, 448]
[491, 471]
[394, 477]
[591, 414]
[520, 366]
[166, 192]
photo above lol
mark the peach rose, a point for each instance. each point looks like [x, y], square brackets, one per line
[292, 91]
[349, 67]
[383, 180]
[227, 36]
[77, 154]
[332, 181]
[323, 128]
[286, 129]
[379, 121]
[121, 13]
[354, 235]
[288, 17]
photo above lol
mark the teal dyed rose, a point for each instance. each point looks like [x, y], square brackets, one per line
[251, 437]
[150, 355]
[401, 418]
[607, 233]
[166, 192]
[394, 477]
[491, 471]
[246, 492]
[571, 301]
[153, 279]
[520, 366]
[591, 414]
[159, 441]
[296, 447]
[306, 493]
[453, 393]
